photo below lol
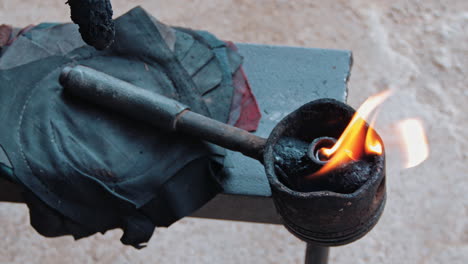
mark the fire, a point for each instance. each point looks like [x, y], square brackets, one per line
[356, 135]
[373, 145]
[359, 139]
[416, 148]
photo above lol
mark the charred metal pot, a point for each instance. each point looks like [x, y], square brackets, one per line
[328, 210]
[324, 217]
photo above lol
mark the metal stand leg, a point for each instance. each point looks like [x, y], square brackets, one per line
[316, 255]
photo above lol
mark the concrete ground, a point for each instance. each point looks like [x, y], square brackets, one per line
[418, 48]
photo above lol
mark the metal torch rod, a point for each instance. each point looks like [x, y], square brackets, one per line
[155, 109]
[316, 254]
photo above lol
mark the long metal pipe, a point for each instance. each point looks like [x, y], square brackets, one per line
[229, 137]
[149, 107]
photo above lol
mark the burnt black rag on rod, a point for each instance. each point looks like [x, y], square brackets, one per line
[94, 18]
[85, 170]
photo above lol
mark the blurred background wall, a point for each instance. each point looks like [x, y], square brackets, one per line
[417, 48]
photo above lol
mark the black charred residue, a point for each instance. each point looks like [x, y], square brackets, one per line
[345, 179]
[95, 20]
[291, 161]
[296, 169]
[290, 154]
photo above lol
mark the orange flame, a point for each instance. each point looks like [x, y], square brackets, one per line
[356, 135]
[373, 145]
[414, 141]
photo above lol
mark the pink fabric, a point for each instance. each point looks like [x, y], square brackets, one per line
[22, 31]
[5, 34]
[245, 112]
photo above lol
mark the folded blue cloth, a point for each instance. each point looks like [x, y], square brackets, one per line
[87, 170]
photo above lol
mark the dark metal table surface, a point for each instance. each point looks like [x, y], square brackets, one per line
[282, 79]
